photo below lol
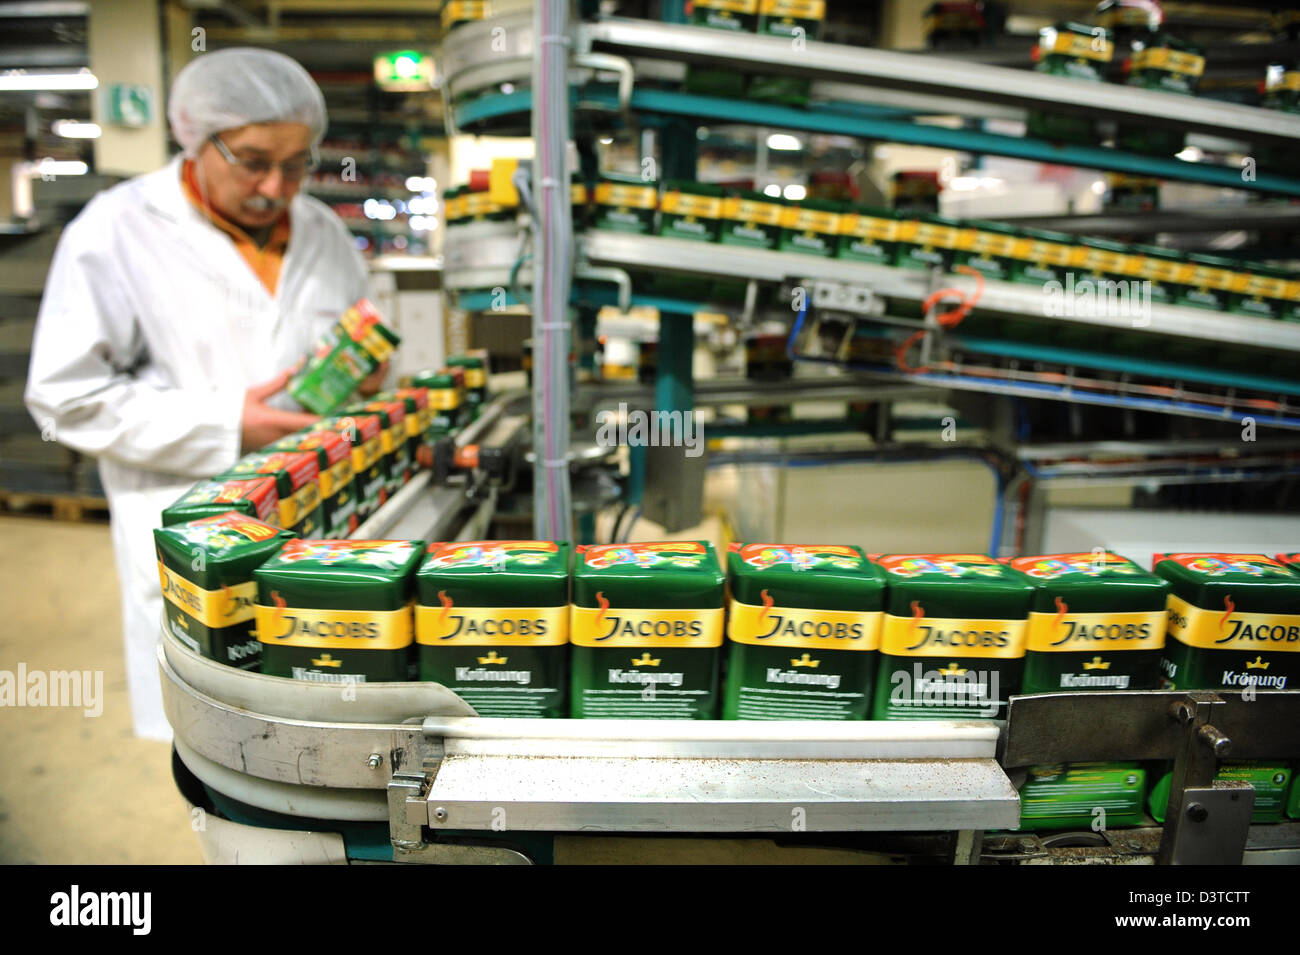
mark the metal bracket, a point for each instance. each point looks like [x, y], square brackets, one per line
[844, 297]
[1210, 825]
[405, 815]
[1187, 836]
[408, 812]
[609, 63]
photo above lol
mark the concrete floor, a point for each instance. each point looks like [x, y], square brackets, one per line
[76, 789]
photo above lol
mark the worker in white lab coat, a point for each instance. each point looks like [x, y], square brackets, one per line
[176, 305]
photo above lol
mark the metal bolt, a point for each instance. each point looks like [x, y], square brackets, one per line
[1217, 742]
[375, 761]
[1025, 845]
[1133, 846]
[1181, 712]
[1197, 813]
[440, 814]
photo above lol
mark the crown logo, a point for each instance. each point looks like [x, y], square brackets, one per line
[646, 660]
[182, 621]
[1259, 663]
[325, 660]
[492, 658]
[804, 661]
[952, 670]
[1097, 664]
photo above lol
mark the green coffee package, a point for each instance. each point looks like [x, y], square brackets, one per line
[492, 624]
[297, 476]
[803, 632]
[1234, 622]
[1097, 623]
[254, 496]
[338, 611]
[206, 570]
[647, 630]
[952, 644]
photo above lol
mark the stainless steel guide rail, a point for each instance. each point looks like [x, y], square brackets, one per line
[413, 755]
[375, 759]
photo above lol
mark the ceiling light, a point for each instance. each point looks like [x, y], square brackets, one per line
[783, 141]
[75, 129]
[14, 80]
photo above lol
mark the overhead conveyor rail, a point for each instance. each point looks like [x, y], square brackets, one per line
[856, 91]
[940, 77]
[682, 255]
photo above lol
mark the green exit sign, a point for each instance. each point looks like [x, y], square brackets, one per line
[404, 71]
[126, 104]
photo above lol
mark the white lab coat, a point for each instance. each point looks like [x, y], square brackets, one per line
[151, 329]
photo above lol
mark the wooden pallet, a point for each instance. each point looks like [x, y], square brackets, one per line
[61, 507]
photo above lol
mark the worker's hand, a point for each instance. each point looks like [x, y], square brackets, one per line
[372, 384]
[261, 424]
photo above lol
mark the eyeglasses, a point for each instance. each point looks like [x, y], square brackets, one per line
[291, 169]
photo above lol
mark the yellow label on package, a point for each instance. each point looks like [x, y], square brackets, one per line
[454, 10]
[810, 220]
[392, 438]
[481, 204]
[443, 399]
[625, 196]
[1104, 260]
[868, 227]
[732, 6]
[366, 454]
[1227, 629]
[1043, 253]
[801, 629]
[475, 377]
[953, 637]
[597, 627]
[1095, 47]
[1260, 286]
[212, 608]
[334, 629]
[689, 204]
[335, 477]
[751, 211]
[492, 626]
[992, 243]
[298, 504]
[1076, 632]
[1171, 61]
[1204, 276]
[1165, 270]
[937, 236]
[794, 9]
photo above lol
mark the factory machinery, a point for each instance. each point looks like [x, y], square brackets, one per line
[281, 770]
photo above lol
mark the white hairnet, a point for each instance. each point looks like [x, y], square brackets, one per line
[227, 89]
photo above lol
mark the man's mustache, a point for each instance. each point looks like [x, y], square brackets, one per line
[263, 204]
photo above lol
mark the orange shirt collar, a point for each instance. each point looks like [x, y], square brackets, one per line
[265, 260]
